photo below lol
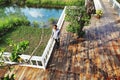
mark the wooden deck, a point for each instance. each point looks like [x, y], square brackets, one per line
[95, 58]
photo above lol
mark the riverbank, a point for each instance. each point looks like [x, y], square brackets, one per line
[45, 3]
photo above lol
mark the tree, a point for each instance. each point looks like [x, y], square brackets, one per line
[17, 50]
[77, 17]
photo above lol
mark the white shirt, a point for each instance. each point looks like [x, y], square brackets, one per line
[56, 33]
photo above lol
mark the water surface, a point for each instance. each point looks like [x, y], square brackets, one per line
[40, 15]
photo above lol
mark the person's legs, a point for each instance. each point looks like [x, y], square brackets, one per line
[57, 43]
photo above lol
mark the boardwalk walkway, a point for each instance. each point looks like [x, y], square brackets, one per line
[95, 58]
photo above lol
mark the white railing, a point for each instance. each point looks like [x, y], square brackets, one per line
[115, 5]
[37, 61]
[49, 48]
[98, 5]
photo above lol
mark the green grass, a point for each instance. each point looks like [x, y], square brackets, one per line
[32, 34]
[11, 22]
[45, 3]
[53, 3]
[49, 3]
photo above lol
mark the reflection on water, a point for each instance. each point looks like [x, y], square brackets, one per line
[41, 15]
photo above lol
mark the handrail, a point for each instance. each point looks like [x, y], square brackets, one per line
[37, 61]
[98, 5]
[49, 48]
[115, 4]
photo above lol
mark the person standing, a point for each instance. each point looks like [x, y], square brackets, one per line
[56, 36]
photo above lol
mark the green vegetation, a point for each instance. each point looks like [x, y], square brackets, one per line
[18, 49]
[1, 53]
[99, 13]
[52, 21]
[35, 24]
[53, 3]
[6, 67]
[7, 77]
[11, 22]
[31, 34]
[77, 17]
[47, 3]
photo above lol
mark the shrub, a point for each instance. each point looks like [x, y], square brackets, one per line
[18, 49]
[77, 17]
[74, 27]
[53, 20]
[99, 12]
[10, 23]
[35, 24]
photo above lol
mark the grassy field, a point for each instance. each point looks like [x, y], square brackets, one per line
[48, 3]
[11, 22]
[53, 3]
[43, 3]
[32, 34]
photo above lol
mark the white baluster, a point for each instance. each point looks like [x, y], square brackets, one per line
[113, 5]
[37, 63]
[31, 62]
[43, 64]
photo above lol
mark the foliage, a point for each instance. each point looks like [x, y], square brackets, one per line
[48, 3]
[99, 12]
[77, 17]
[11, 22]
[2, 50]
[2, 2]
[29, 33]
[52, 20]
[74, 27]
[7, 77]
[1, 53]
[35, 24]
[18, 49]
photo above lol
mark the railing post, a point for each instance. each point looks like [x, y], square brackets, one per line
[49, 48]
[43, 63]
[31, 62]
